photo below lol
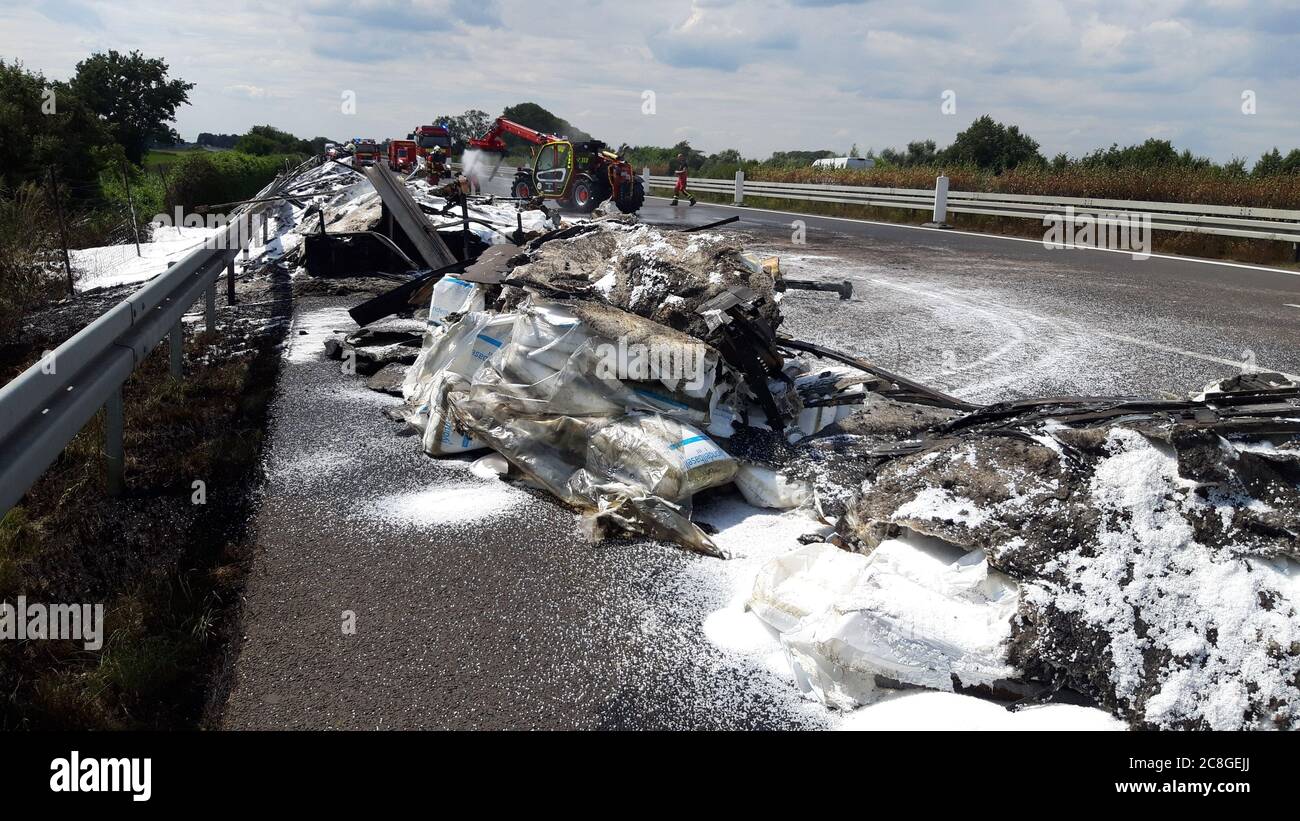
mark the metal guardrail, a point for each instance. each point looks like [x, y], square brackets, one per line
[1224, 220]
[44, 407]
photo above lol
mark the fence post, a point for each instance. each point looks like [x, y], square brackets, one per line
[63, 230]
[114, 452]
[940, 203]
[135, 226]
[210, 307]
[740, 187]
[176, 341]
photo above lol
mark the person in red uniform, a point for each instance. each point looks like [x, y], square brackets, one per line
[680, 168]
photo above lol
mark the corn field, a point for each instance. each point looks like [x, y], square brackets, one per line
[1208, 186]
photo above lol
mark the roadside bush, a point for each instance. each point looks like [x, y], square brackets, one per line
[29, 272]
[202, 178]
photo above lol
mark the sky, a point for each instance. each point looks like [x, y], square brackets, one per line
[758, 76]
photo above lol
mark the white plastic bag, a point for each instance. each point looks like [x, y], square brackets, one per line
[908, 613]
[440, 435]
[764, 487]
[452, 295]
[460, 348]
[670, 459]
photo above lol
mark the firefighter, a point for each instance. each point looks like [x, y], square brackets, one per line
[679, 167]
[437, 165]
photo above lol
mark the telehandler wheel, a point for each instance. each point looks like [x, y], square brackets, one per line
[584, 194]
[632, 204]
[522, 188]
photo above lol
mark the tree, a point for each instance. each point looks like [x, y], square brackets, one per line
[1151, 153]
[263, 140]
[1236, 167]
[1272, 162]
[919, 152]
[464, 127]
[45, 124]
[133, 95]
[992, 146]
[536, 117]
[797, 159]
[217, 140]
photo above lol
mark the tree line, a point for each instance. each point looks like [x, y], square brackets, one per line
[986, 145]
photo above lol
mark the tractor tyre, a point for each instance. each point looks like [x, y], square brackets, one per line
[522, 188]
[584, 194]
[632, 204]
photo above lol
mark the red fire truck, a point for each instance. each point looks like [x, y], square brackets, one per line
[403, 155]
[428, 136]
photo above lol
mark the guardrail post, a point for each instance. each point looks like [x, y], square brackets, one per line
[940, 203]
[230, 281]
[262, 219]
[210, 307]
[177, 345]
[740, 187]
[114, 452]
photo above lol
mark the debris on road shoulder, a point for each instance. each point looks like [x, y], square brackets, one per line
[1137, 553]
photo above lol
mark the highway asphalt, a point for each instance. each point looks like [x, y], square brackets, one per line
[479, 605]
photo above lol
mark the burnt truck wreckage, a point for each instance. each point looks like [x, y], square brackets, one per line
[1139, 554]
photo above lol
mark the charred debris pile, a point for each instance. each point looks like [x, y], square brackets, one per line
[1140, 554]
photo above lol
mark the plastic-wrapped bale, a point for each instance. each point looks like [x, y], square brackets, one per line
[669, 458]
[553, 403]
[452, 355]
[582, 359]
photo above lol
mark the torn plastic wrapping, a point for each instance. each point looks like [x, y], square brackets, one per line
[551, 402]
[452, 295]
[452, 355]
[441, 438]
[764, 487]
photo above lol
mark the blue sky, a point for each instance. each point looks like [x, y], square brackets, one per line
[758, 76]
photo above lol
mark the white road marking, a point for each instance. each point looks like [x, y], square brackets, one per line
[1038, 242]
[1290, 305]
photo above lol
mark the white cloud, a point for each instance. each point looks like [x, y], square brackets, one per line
[249, 91]
[759, 76]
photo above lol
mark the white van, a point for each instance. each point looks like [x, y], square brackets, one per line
[844, 162]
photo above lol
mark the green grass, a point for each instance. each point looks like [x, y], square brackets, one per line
[166, 156]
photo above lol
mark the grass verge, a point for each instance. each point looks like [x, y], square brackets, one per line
[167, 559]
